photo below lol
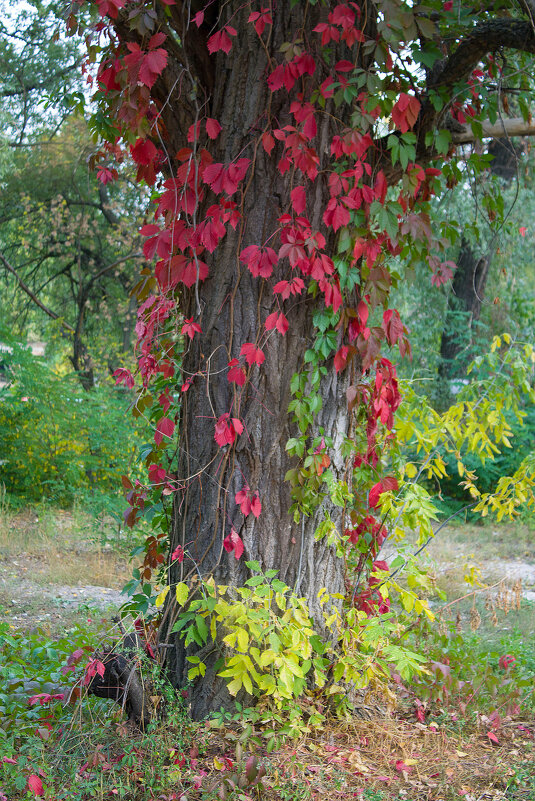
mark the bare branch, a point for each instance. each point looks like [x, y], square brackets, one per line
[512, 126]
[32, 295]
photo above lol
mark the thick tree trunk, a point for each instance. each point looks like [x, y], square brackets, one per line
[234, 306]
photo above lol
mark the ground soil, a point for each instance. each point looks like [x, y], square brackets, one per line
[29, 604]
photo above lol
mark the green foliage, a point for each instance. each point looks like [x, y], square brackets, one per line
[270, 648]
[38, 68]
[78, 749]
[465, 669]
[30, 664]
[479, 425]
[59, 442]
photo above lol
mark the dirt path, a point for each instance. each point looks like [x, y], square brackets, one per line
[26, 603]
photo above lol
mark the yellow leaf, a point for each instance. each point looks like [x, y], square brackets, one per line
[182, 592]
[410, 470]
[234, 686]
[161, 597]
[243, 640]
[247, 683]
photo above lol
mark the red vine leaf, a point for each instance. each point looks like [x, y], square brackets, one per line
[143, 151]
[213, 128]
[156, 474]
[152, 66]
[260, 19]
[385, 485]
[287, 288]
[268, 143]
[405, 112]
[253, 355]
[225, 178]
[221, 40]
[278, 321]
[341, 357]
[110, 7]
[123, 376]
[107, 174]
[260, 261]
[256, 506]
[178, 554]
[190, 328]
[165, 428]
[226, 429]
[243, 500]
[233, 542]
[392, 326]
[35, 785]
[298, 197]
[236, 374]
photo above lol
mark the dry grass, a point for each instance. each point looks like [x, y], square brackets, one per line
[414, 760]
[55, 548]
[489, 542]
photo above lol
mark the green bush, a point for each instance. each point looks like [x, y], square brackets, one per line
[58, 441]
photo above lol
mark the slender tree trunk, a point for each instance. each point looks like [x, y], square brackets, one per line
[464, 308]
[470, 280]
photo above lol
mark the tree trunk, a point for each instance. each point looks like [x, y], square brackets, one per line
[81, 360]
[464, 308]
[231, 305]
[470, 279]
[234, 306]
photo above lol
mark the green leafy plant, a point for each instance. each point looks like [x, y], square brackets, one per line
[268, 646]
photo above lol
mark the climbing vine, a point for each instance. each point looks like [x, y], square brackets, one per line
[356, 130]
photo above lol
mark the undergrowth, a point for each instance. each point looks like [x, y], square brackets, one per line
[464, 729]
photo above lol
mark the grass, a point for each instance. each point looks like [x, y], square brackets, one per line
[59, 567]
[98, 757]
[486, 541]
[62, 547]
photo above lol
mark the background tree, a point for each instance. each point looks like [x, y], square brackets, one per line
[270, 126]
[68, 241]
[474, 259]
[69, 250]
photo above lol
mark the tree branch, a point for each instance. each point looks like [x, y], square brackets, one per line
[511, 126]
[483, 38]
[528, 6]
[110, 267]
[487, 37]
[40, 84]
[32, 295]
